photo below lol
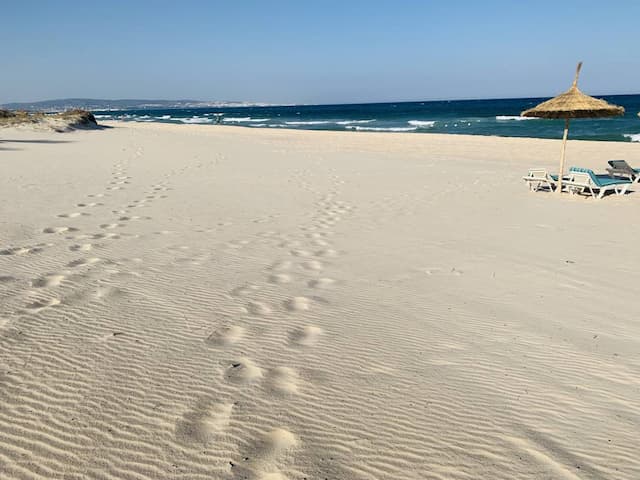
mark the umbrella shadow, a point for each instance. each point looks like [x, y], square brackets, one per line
[33, 141]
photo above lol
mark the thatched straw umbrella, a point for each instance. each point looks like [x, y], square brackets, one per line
[572, 104]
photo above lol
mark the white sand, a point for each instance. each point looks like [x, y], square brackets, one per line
[197, 302]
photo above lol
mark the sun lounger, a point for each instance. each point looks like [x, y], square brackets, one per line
[583, 180]
[620, 168]
[538, 178]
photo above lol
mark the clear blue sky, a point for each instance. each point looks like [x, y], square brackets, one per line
[319, 51]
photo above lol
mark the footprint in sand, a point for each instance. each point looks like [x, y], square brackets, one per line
[297, 304]
[283, 380]
[281, 266]
[25, 250]
[15, 251]
[306, 336]
[83, 261]
[243, 290]
[204, 423]
[42, 304]
[316, 235]
[71, 215]
[262, 460]
[226, 336]
[433, 271]
[243, 371]
[258, 308]
[328, 252]
[108, 293]
[59, 229]
[84, 247]
[97, 236]
[313, 265]
[321, 282]
[52, 280]
[280, 278]
[301, 253]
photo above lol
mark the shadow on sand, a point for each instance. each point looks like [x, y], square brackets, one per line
[33, 141]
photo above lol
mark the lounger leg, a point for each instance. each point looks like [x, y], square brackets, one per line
[623, 190]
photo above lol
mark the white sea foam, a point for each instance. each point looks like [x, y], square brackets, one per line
[310, 122]
[244, 119]
[422, 123]
[164, 117]
[381, 129]
[236, 119]
[635, 137]
[513, 117]
[195, 120]
[145, 116]
[350, 122]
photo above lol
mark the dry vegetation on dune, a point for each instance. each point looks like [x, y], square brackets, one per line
[60, 122]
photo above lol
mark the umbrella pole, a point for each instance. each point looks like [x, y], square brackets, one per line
[562, 154]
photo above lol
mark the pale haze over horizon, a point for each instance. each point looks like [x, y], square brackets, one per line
[325, 52]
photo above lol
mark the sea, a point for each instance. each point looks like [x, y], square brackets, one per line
[499, 117]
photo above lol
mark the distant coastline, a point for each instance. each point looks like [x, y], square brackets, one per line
[60, 105]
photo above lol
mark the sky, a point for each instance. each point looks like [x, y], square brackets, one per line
[322, 51]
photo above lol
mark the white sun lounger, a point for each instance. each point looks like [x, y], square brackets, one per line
[538, 178]
[620, 168]
[583, 180]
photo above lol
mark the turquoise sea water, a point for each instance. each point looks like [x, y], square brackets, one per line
[472, 117]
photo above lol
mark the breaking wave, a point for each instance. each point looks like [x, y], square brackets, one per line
[382, 129]
[513, 117]
[244, 119]
[422, 123]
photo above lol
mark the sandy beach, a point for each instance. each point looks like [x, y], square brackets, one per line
[211, 302]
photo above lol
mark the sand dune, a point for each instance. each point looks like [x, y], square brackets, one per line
[217, 302]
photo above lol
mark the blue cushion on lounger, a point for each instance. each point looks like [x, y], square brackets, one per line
[600, 180]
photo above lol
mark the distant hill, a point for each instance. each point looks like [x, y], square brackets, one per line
[126, 104]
